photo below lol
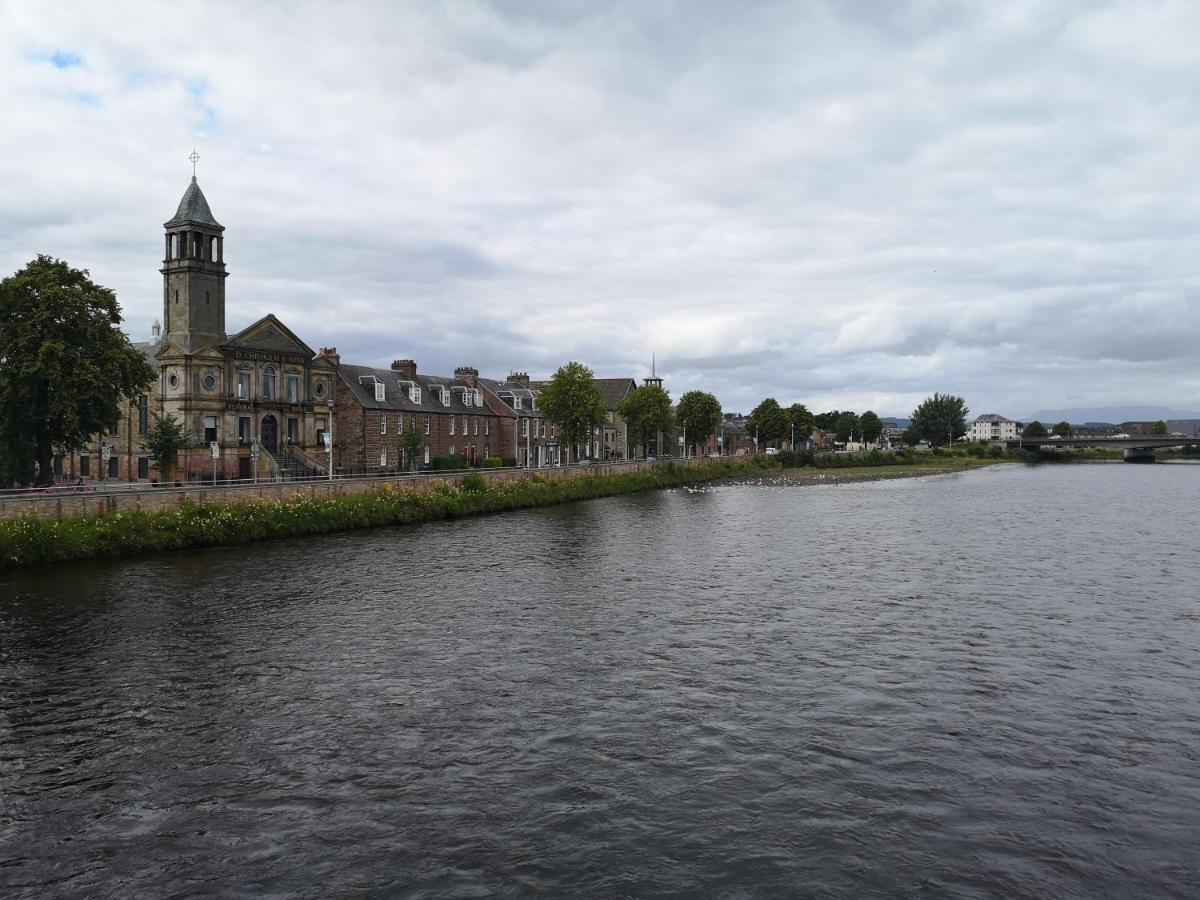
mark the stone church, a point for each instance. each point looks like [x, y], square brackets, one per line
[261, 395]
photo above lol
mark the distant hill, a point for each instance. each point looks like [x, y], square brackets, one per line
[1112, 414]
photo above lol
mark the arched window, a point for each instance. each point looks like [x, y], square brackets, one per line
[268, 383]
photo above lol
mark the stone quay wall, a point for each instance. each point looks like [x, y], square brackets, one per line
[104, 503]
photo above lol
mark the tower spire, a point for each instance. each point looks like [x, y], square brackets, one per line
[194, 157]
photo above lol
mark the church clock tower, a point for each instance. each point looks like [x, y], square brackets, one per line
[194, 275]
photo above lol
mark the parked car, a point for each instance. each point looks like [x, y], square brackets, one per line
[772, 451]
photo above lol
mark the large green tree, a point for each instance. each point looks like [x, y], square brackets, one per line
[698, 414]
[412, 437]
[1062, 429]
[647, 413]
[1159, 427]
[800, 423]
[164, 440]
[827, 421]
[847, 427]
[65, 366]
[572, 401]
[768, 422]
[1035, 429]
[940, 419]
[871, 426]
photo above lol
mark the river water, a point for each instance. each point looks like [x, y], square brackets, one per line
[982, 684]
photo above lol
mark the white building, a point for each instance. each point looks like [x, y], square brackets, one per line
[991, 427]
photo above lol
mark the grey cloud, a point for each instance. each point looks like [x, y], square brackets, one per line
[848, 204]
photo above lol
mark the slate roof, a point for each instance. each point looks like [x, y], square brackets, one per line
[527, 395]
[613, 390]
[992, 417]
[149, 350]
[361, 381]
[193, 208]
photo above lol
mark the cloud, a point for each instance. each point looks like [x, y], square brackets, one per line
[843, 204]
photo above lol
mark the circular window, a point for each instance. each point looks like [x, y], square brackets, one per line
[173, 381]
[319, 390]
[210, 382]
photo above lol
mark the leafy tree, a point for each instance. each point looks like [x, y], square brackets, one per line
[1035, 429]
[846, 427]
[411, 438]
[647, 413]
[910, 436]
[165, 438]
[871, 427]
[940, 418]
[800, 422]
[64, 363]
[698, 414]
[1062, 429]
[768, 422]
[827, 421]
[1159, 427]
[572, 401]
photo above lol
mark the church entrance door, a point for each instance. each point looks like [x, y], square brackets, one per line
[270, 434]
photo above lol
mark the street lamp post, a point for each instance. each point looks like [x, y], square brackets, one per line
[329, 440]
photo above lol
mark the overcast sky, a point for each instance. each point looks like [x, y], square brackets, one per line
[847, 204]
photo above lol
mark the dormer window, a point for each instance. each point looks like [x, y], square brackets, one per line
[380, 394]
[445, 397]
[478, 397]
[414, 394]
[516, 402]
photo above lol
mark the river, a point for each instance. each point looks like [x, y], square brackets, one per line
[979, 684]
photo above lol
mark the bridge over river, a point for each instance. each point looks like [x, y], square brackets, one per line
[1138, 448]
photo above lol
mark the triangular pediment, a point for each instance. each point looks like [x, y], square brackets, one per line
[269, 334]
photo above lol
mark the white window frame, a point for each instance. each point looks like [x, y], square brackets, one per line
[445, 397]
[427, 429]
[475, 427]
[380, 392]
[516, 402]
[382, 457]
[290, 379]
[452, 425]
[383, 423]
[244, 380]
[524, 427]
[487, 426]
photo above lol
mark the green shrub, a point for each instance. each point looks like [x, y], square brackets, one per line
[474, 483]
[493, 462]
[444, 463]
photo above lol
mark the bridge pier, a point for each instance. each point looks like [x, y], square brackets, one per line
[1140, 455]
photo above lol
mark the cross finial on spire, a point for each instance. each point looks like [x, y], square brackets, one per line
[193, 156]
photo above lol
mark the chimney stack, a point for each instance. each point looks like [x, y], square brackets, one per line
[406, 367]
[331, 353]
[469, 374]
[521, 378]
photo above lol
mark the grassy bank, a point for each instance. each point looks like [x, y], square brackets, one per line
[30, 540]
[33, 540]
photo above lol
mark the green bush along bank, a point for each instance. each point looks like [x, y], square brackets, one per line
[29, 540]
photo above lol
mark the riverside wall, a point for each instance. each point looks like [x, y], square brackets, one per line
[104, 503]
